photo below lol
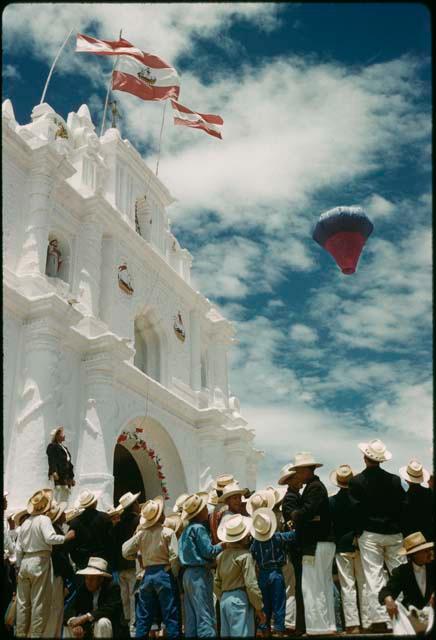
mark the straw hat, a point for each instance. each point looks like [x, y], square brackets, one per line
[70, 514]
[193, 505]
[96, 567]
[278, 492]
[413, 543]
[286, 472]
[178, 507]
[86, 499]
[18, 516]
[40, 502]
[304, 459]
[114, 512]
[264, 524]
[414, 472]
[234, 529]
[173, 521]
[213, 497]
[232, 489]
[126, 500]
[151, 512]
[260, 499]
[56, 510]
[54, 432]
[341, 476]
[222, 480]
[375, 450]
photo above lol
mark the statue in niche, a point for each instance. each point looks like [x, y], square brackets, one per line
[115, 113]
[61, 132]
[124, 279]
[54, 259]
[179, 329]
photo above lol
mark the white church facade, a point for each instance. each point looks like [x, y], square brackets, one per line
[102, 331]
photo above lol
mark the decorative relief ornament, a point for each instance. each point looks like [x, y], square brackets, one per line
[125, 279]
[140, 444]
[179, 329]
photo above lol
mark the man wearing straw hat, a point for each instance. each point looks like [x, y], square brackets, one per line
[97, 607]
[348, 562]
[377, 498]
[60, 467]
[313, 522]
[415, 579]
[33, 551]
[418, 507]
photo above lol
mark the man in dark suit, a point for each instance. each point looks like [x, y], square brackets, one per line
[415, 579]
[418, 506]
[377, 498]
[313, 522]
[60, 467]
[97, 607]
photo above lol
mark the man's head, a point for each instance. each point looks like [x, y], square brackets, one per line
[93, 583]
[294, 482]
[304, 474]
[424, 556]
[60, 436]
[202, 516]
[234, 503]
[5, 501]
[369, 462]
[374, 452]
[417, 549]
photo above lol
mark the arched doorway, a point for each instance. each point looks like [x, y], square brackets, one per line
[127, 476]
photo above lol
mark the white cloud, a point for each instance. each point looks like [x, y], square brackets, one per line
[378, 207]
[303, 333]
[10, 72]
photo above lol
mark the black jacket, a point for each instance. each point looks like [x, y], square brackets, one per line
[403, 580]
[94, 537]
[124, 530]
[58, 461]
[343, 521]
[377, 497]
[109, 605]
[312, 518]
[60, 559]
[418, 512]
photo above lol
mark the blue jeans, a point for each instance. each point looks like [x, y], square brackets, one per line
[272, 586]
[198, 603]
[157, 590]
[237, 615]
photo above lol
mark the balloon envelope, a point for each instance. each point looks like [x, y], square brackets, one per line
[342, 232]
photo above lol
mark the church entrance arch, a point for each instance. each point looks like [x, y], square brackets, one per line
[146, 460]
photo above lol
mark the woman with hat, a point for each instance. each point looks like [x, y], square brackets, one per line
[349, 565]
[377, 498]
[158, 547]
[235, 580]
[418, 507]
[60, 467]
[33, 551]
[196, 552]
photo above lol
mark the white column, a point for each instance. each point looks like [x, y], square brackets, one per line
[195, 342]
[212, 459]
[90, 243]
[217, 353]
[237, 455]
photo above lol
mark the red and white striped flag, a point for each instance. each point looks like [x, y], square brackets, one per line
[206, 121]
[143, 74]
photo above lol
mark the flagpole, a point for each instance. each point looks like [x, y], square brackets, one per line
[160, 137]
[109, 90]
[54, 64]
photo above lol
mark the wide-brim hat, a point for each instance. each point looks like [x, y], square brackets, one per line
[375, 450]
[151, 512]
[304, 459]
[222, 480]
[264, 524]
[96, 567]
[193, 505]
[413, 543]
[72, 513]
[232, 489]
[260, 499]
[114, 512]
[54, 432]
[127, 499]
[286, 472]
[86, 499]
[56, 511]
[18, 516]
[341, 476]
[278, 493]
[40, 502]
[178, 506]
[234, 528]
[213, 498]
[414, 472]
[173, 521]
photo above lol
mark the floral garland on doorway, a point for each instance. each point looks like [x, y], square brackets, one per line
[139, 443]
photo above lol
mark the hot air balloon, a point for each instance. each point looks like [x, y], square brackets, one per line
[342, 232]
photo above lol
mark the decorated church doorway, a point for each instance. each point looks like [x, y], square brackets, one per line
[127, 476]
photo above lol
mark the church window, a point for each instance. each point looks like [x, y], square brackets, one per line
[148, 348]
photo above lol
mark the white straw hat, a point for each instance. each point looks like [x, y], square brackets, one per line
[173, 521]
[86, 499]
[232, 489]
[278, 492]
[193, 505]
[222, 480]
[264, 524]
[178, 507]
[286, 472]
[414, 472]
[341, 476]
[40, 502]
[413, 543]
[304, 459]
[151, 512]
[126, 500]
[56, 510]
[260, 499]
[96, 567]
[375, 450]
[70, 514]
[234, 528]
[18, 516]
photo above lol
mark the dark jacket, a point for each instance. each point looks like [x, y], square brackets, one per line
[58, 461]
[312, 519]
[94, 537]
[377, 497]
[343, 521]
[109, 605]
[418, 512]
[60, 559]
[124, 530]
[403, 580]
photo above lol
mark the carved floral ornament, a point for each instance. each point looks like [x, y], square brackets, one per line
[125, 282]
[179, 328]
[141, 445]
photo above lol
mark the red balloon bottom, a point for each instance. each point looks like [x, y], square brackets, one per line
[346, 247]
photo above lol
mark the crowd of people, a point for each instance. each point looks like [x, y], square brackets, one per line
[228, 562]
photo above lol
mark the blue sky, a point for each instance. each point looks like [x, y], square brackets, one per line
[323, 105]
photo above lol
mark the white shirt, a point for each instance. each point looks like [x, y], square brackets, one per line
[420, 576]
[95, 599]
[36, 534]
[66, 451]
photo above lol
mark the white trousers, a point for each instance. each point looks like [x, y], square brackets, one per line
[127, 587]
[53, 628]
[61, 493]
[34, 584]
[375, 550]
[101, 629]
[289, 576]
[317, 587]
[353, 589]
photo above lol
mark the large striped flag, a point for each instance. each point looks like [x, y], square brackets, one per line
[143, 74]
[205, 121]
